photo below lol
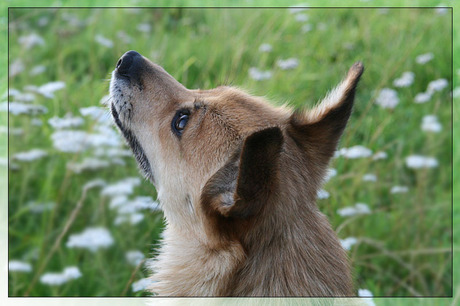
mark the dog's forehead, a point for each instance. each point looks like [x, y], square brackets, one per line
[232, 100]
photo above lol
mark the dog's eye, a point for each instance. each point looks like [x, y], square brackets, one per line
[180, 121]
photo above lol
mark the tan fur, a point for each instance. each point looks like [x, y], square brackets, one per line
[238, 187]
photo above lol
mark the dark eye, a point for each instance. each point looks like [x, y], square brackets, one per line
[179, 122]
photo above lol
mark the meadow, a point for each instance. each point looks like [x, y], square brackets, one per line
[83, 222]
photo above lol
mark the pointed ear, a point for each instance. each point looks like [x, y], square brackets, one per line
[318, 130]
[241, 187]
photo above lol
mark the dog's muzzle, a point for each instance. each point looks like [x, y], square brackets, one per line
[125, 77]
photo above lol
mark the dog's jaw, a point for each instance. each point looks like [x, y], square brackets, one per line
[121, 109]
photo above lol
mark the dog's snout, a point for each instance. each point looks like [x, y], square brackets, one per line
[128, 64]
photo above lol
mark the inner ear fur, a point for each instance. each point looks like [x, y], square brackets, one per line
[241, 187]
[318, 130]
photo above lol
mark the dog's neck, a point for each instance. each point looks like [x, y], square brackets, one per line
[304, 258]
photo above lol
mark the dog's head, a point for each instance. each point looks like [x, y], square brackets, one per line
[216, 154]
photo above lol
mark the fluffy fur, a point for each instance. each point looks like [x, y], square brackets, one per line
[238, 186]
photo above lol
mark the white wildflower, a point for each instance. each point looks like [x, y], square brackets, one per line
[19, 266]
[369, 177]
[354, 152]
[387, 98]
[72, 272]
[16, 67]
[405, 80]
[367, 296]
[89, 163]
[37, 70]
[57, 279]
[141, 284]
[144, 27]
[134, 257]
[11, 92]
[31, 40]
[117, 201]
[139, 203]
[92, 238]
[347, 243]
[20, 96]
[106, 136]
[301, 17]
[31, 155]
[424, 58]
[100, 114]
[322, 194]
[419, 161]
[37, 208]
[70, 141]
[123, 187]
[433, 86]
[422, 97]
[331, 172]
[380, 155]
[265, 48]
[259, 75]
[66, 122]
[430, 124]
[128, 210]
[53, 279]
[94, 183]
[78, 141]
[48, 89]
[358, 209]
[103, 41]
[289, 63]
[17, 108]
[307, 28]
[133, 219]
[437, 85]
[399, 189]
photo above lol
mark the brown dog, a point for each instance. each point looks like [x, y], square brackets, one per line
[237, 179]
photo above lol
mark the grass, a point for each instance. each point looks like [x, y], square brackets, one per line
[403, 246]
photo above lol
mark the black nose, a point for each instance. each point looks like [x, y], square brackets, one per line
[129, 63]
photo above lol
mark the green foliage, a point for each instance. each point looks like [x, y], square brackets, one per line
[403, 246]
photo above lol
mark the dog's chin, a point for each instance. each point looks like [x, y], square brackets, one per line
[136, 148]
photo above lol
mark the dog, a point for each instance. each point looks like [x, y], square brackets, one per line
[237, 179]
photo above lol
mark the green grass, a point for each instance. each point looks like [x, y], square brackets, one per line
[404, 244]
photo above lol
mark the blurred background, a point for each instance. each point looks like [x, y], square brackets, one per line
[83, 222]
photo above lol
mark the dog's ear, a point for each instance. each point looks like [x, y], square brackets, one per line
[318, 131]
[240, 188]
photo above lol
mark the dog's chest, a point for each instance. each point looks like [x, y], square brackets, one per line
[187, 267]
